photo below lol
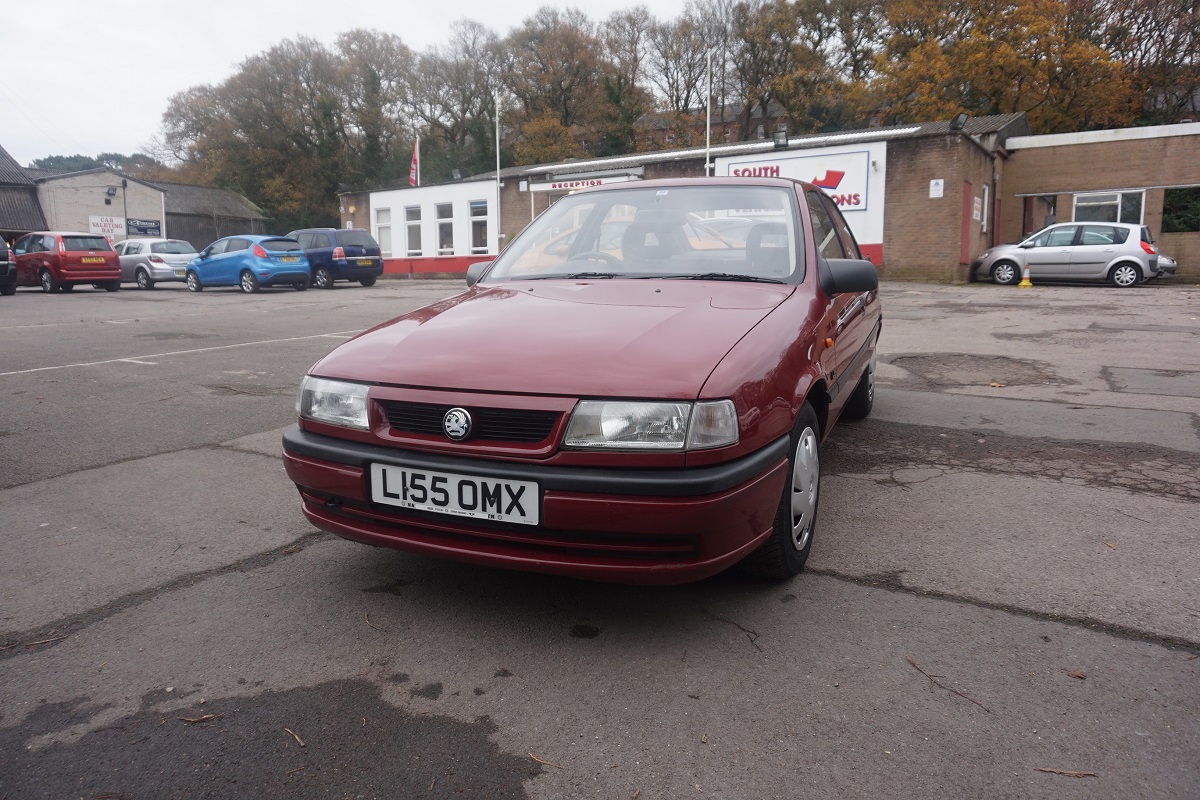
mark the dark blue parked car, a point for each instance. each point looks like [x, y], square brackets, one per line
[340, 254]
[249, 261]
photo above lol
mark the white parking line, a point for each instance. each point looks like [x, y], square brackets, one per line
[142, 359]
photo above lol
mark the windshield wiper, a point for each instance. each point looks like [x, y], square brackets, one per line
[724, 276]
[574, 276]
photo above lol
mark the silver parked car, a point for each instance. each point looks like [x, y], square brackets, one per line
[1118, 252]
[151, 261]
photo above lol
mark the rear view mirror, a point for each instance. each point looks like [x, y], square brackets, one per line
[475, 272]
[847, 276]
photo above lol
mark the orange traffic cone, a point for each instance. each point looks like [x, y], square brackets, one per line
[1025, 282]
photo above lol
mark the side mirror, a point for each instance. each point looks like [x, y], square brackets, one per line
[476, 271]
[847, 276]
[1026, 245]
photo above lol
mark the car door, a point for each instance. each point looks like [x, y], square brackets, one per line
[210, 264]
[1097, 246]
[1049, 254]
[26, 275]
[233, 260]
[839, 312]
[129, 253]
[856, 312]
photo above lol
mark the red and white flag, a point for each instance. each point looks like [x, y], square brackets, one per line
[414, 172]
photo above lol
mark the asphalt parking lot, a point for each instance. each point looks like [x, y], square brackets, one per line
[1003, 598]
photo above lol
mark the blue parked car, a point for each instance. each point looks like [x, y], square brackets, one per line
[251, 262]
[340, 254]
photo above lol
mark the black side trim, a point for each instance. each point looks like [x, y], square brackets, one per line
[686, 482]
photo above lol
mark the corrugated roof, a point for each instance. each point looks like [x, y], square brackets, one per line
[11, 172]
[19, 209]
[975, 126]
[186, 198]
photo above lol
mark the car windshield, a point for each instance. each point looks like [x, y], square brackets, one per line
[174, 247]
[281, 245]
[78, 243]
[709, 232]
[355, 239]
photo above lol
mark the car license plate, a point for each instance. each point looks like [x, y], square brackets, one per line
[289, 259]
[92, 260]
[364, 262]
[497, 499]
[179, 273]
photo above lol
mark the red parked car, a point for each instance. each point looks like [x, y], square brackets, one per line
[626, 393]
[58, 261]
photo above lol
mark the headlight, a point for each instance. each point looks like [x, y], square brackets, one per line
[335, 402]
[625, 425]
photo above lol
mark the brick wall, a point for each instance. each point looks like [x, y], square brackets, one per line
[921, 234]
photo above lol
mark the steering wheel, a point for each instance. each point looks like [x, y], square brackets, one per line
[595, 255]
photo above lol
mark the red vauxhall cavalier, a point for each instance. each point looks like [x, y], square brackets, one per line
[626, 393]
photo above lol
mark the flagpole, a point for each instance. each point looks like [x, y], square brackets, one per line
[418, 160]
[499, 233]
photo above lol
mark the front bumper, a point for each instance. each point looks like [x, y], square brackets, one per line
[8, 271]
[659, 526]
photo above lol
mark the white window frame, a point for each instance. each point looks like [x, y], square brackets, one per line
[1120, 196]
[479, 213]
[409, 225]
[384, 226]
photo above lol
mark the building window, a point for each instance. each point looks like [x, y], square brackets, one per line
[1109, 207]
[383, 231]
[479, 233]
[445, 228]
[412, 228]
[1181, 210]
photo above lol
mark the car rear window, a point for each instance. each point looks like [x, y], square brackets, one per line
[173, 247]
[356, 239]
[76, 243]
[281, 245]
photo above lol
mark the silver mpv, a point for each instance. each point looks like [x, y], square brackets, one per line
[1118, 252]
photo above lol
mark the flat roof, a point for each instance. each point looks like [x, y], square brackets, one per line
[1096, 137]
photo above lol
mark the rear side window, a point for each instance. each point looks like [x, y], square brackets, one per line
[1146, 237]
[237, 244]
[77, 243]
[305, 239]
[1098, 234]
[356, 239]
[320, 240]
[173, 247]
[280, 245]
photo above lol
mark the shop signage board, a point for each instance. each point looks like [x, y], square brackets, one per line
[143, 227]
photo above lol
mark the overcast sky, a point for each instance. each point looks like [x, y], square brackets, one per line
[89, 77]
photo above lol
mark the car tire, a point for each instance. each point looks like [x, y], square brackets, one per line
[863, 399]
[248, 282]
[367, 281]
[144, 281]
[322, 279]
[786, 549]
[8, 289]
[1005, 273]
[111, 286]
[1125, 276]
[300, 286]
[49, 285]
[193, 282]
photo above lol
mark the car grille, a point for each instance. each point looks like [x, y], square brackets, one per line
[496, 424]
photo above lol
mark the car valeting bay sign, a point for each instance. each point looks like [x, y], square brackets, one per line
[143, 227]
[853, 175]
[108, 227]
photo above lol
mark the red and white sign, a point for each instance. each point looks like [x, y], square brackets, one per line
[107, 227]
[853, 175]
